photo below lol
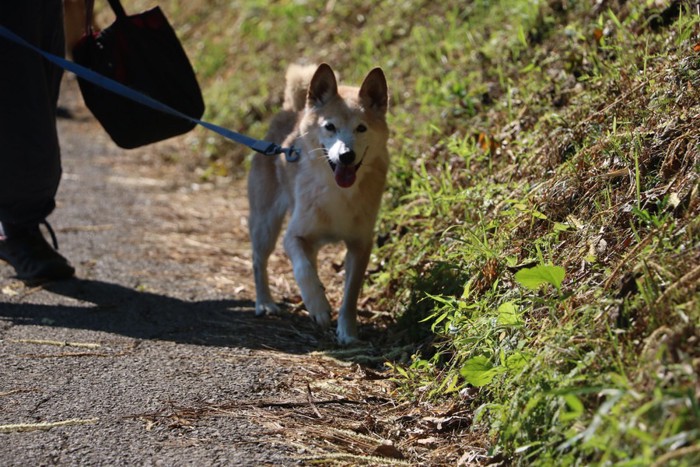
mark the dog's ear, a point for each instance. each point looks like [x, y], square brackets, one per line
[323, 86]
[374, 92]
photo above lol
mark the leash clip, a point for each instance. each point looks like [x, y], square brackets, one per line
[291, 154]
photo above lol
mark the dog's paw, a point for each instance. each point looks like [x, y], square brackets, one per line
[347, 329]
[267, 308]
[348, 340]
[321, 319]
[347, 334]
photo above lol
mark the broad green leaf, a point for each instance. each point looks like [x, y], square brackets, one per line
[516, 362]
[534, 278]
[478, 371]
[507, 314]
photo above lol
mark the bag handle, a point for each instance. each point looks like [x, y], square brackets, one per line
[116, 6]
[89, 7]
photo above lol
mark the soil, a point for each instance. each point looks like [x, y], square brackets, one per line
[153, 355]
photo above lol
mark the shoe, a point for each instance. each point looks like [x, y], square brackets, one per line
[25, 249]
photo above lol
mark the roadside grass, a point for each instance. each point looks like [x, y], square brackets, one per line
[602, 367]
[540, 239]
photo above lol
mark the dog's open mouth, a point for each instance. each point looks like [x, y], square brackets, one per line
[345, 175]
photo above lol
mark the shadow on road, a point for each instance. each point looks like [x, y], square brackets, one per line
[144, 315]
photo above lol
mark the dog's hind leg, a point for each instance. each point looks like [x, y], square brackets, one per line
[356, 261]
[303, 254]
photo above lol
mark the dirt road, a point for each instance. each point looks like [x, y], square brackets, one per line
[153, 356]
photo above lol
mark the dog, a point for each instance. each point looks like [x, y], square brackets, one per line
[332, 193]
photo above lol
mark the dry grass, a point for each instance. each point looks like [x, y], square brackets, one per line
[342, 414]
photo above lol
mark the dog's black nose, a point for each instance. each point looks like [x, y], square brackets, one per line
[347, 157]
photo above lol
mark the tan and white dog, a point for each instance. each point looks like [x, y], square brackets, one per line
[333, 192]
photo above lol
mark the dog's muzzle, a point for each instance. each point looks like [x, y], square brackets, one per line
[345, 171]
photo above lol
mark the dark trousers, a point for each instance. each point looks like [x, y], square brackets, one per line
[30, 159]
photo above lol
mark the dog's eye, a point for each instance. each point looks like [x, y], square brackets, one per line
[329, 127]
[361, 128]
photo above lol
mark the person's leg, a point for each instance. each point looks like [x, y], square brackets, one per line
[30, 166]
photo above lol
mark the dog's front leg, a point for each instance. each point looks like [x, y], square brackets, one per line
[265, 224]
[303, 253]
[356, 261]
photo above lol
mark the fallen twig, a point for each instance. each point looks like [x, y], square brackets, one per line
[23, 427]
[86, 345]
[15, 391]
[354, 458]
[72, 354]
[311, 401]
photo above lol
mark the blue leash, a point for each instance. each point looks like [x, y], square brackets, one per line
[263, 147]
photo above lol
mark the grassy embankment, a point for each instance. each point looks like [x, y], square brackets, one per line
[541, 220]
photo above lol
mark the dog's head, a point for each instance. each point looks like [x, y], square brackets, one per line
[347, 124]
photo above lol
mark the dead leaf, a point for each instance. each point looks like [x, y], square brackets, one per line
[574, 221]
[388, 450]
[427, 441]
[368, 374]
[446, 423]
[9, 291]
[673, 200]
[597, 35]
[487, 142]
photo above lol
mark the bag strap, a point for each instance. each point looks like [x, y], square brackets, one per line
[117, 8]
[89, 8]
[267, 148]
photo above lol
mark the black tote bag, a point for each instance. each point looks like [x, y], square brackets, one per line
[142, 52]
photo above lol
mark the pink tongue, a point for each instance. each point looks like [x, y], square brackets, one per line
[344, 175]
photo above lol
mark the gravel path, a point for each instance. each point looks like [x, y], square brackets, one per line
[153, 355]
